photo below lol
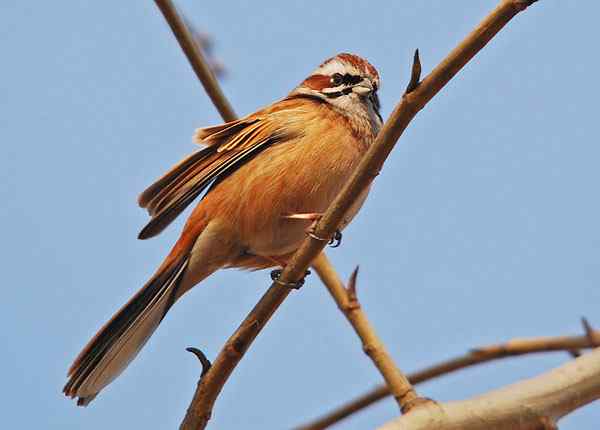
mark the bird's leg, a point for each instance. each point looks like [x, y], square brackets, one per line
[315, 217]
[276, 274]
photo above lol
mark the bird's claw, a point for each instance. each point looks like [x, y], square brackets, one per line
[336, 240]
[276, 274]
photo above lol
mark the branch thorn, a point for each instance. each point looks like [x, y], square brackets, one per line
[352, 286]
[205, 362]
[415, 77]
[591, 334]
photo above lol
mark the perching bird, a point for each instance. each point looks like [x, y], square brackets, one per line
[270, 175]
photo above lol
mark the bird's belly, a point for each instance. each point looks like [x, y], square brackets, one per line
[280, 239]
[283, 180]
[282, 236]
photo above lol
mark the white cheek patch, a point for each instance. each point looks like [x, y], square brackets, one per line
[333, 90]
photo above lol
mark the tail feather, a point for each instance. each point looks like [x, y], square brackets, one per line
[121, 338]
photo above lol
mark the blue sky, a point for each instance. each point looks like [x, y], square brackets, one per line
[483, 225]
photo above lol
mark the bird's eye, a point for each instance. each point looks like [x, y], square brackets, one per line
[337, 79]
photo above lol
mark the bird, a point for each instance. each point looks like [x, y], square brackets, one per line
[263, 180]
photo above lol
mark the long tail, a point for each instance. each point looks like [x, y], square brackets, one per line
[120, 339]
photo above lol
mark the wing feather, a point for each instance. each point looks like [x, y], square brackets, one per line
[230, 145]
[173, 174]
[216, 134]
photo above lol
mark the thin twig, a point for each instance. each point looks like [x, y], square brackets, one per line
[533, 404]
[348, 303]
[196, 58]
[204, 362]
[512, 348]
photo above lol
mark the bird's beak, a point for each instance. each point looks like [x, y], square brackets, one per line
[363, 89]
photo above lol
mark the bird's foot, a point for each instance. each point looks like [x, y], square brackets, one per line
[315, 217]
[276, 274]
[334, 242]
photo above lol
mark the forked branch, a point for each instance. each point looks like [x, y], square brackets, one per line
[415, 99]
[476, 356]
[533, 404]
[347, 301]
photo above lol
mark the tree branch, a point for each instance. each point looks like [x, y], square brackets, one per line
[210, 385]
[533, 404]
[348, 303]
[511, 348]
[196, 58]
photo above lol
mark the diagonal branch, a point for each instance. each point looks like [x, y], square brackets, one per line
[511, 348]
[211, 384]
[209, 387]
[196, 58]
[533, 404]
[348, 303]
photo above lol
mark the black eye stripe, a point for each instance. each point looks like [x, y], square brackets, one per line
[352, 79]
[347, 79]
[337, 79]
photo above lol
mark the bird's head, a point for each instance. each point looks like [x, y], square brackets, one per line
[343, 81]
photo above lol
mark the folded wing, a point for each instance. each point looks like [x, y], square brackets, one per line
[229, 146]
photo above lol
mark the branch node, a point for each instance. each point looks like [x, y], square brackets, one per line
[369, 349]
[232, 350]
[205, 362]
[416, 402]
[415, 77]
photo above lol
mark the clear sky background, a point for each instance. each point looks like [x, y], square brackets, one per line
[483, 225]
